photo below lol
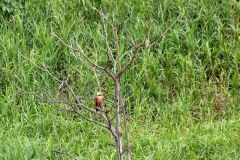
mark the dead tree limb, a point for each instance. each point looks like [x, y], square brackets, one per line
[110, 119]
[66, 153]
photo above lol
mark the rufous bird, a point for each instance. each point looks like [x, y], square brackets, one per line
[98, 101]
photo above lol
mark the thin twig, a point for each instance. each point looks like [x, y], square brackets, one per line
[65, 153]
[44, 70]
[135, 57]
[121, 13]
[78, 49]
[49, 101]
[98, 83]
[85, 64]
[111, 129]
[116, 35]
[159, 38]
[103, 16]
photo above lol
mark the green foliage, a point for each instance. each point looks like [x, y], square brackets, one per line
[182, 95]
[10, 7]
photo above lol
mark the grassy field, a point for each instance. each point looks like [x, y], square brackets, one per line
[182, 95]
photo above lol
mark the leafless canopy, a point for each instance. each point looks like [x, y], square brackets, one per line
[110, 117]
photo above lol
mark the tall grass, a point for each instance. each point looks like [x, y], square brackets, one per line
[182, 95]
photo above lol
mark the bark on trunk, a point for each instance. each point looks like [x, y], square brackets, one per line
[117, 113]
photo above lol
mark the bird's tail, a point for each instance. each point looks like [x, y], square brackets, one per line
[97, 109]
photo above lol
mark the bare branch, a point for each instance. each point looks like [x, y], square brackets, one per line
[131, 49]
[86, 57]
[65, 153]
[44, 70]
[97, 66]
[85, 64]
[135, 57]
[78, 49]
[105, 38]
[62, 82]
[125, 128]
[98, 83]
[86, 108]
[116, 35]
[159, 38]
[78, 102]
[51, 102]
[107, 53]
[136, 48]
[103, 16]
[111, 129]
[75, 111]
[115, 31]
[114, 145]
[92, 120]
[121, 14]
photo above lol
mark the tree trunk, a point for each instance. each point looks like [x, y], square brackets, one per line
[126, 134]
[117, 114]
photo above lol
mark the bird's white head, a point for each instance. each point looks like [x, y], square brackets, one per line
[99, 93]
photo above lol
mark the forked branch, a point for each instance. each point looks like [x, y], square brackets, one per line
[136, 47]
[115, 73]
[78, 49]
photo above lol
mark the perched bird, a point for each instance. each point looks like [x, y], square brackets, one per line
[98, 101]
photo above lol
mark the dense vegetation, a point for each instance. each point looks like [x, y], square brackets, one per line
[182, 95]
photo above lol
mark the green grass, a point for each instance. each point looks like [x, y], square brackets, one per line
[182, 95]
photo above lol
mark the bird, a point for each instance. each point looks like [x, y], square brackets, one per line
[98, 101]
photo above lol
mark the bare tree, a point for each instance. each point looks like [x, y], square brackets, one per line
[115, 110]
